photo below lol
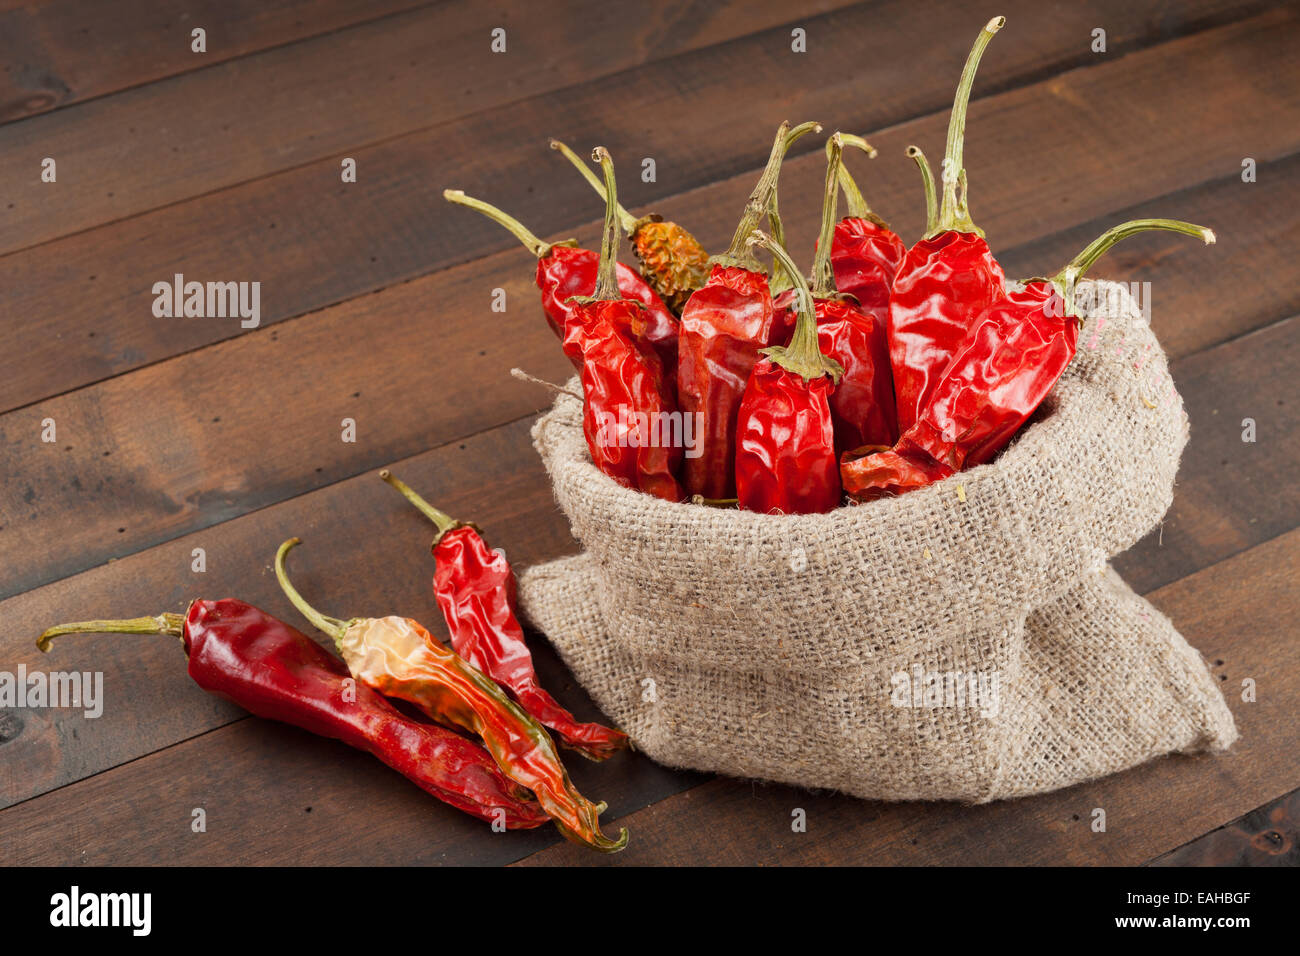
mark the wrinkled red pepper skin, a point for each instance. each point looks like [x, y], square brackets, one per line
[723, 326]
[785, 452]
[620, 380]
[865, 257]
[276, 672]
[862, 405]
[1013, 356]
[475, 589]
[942, 286]
[566, 272]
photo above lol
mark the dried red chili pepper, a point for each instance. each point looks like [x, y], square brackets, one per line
[628, 403]
[397, 657]
[862, 404]
[723, 326]
[865, 252]
[672, 260]
[565, 271]
[475, 589]
[1011, 359]
[785, 438]
[948, 278]
[274, 671]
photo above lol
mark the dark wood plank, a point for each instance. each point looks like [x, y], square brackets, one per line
[1239, 613]
[63, 52]
[296, 104]
[365, 552]
[1267, 836]
[313, 241]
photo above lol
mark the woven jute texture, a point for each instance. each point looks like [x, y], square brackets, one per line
[966, 641]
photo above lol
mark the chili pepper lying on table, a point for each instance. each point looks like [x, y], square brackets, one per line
[274, 671]
[672, 260]
[862, 404]
[723, 326]
[565, 271]
[628, 400]
[398, 658]
[475, 589]
[865, 253]
[785, 438]
[1011, 358]
[948, 278]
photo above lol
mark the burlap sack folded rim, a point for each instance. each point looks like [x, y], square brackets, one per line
[1008, 560]
[946, 573]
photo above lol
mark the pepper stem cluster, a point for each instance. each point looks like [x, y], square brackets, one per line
[607, 269]
[171, 624]
[629, 222]
[517, 229]
[854, 201]
[954, 215]
[803, 356]
[759, 203]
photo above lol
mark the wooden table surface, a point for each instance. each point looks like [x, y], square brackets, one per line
[182, 433]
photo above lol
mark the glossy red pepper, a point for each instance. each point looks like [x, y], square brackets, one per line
[672, 260]
[947, 279]
[628, 408]
[475, 589]
[1013, 356]
[865, 252]
[399, 658]
[565, 271]
[862, 404]
[724, 324]
[785, 451]
[274, 671]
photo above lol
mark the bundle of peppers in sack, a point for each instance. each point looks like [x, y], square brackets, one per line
[480, 739]
[891, 368]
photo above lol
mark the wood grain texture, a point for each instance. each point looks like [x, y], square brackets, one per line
[190, 441]
[63, 52]
[313, 241]
[1239, 613]
[364, 554]
[1264, 837]
[245, 119]
[192, 435]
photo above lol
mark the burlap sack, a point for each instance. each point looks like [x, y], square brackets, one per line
[966, 641]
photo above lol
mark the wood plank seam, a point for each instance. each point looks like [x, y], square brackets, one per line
[1077, 63]
[211, 63]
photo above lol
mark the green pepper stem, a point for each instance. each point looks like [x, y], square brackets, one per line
[628, 221]
[760, 200]
[443, 521]
[517, 229]
[171, 624]
[823, 273]
[953, 215]
[803, 355]
[329, 625]
[854, 201]
[1074, 270]
[607, 271]
[927, 183]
